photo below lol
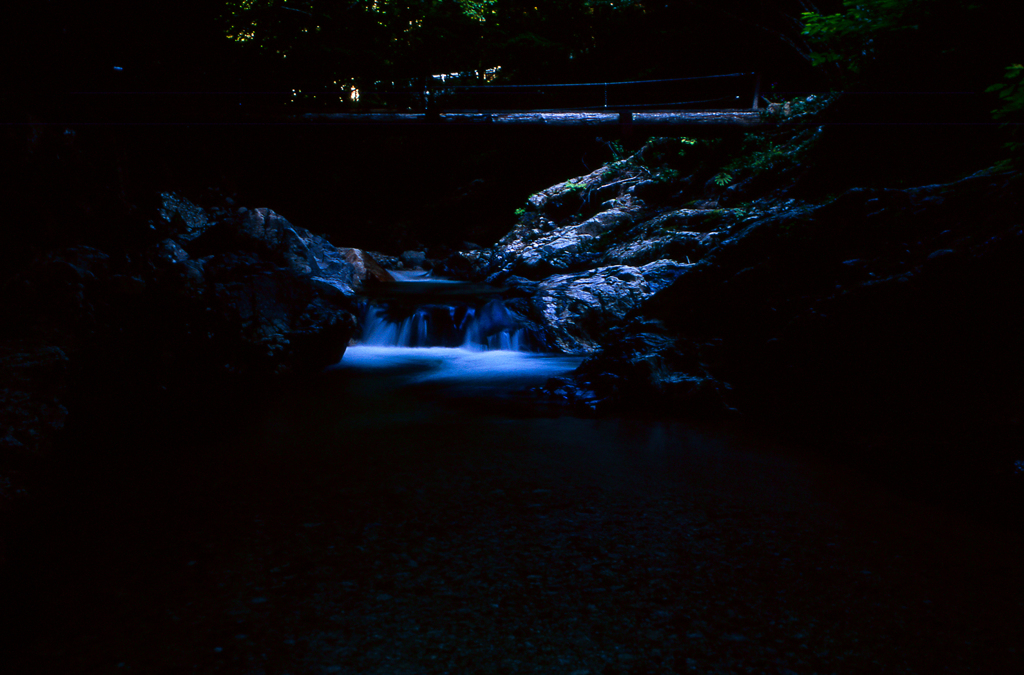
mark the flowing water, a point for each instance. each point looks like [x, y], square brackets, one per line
[412, 511]
[438, 330]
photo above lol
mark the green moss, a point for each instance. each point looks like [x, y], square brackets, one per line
[770, 151]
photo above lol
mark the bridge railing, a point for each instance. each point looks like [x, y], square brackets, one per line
[730, 91]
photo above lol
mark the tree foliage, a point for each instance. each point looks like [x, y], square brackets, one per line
[951, 51]
[941, 45]
[1011, 110]
[851, 38]
[332, 47]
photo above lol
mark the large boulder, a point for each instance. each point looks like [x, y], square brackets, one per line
[645, 368]
[246, 291]
[345, 271]
[470, 265]
[261, 317]
[879, 309]
[577, 308]
[413, 259]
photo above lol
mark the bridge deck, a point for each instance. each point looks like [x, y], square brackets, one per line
[610, 118]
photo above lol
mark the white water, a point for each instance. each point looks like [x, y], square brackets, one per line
[449, 365]
[490, 327]
[422, 276]
[474, 342]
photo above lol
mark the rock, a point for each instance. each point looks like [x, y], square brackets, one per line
[346, 270]
[85, 262]
[262, 227]
[577, 308]
[182, 219]
[622, 235]
[536, 254]
[57, 289]
[126, 285]
[564, 198]
[168, 251]
[388, 262]
[466, 265]
[562, 251]
[280, 318]
[277, 291]
[604, 222]
[413, 259]
[365, 267]
[739, 192]
[644, 368]
[300, 252]
[522, 287]
[679, 246]
[31, 410]
[941, 253]
[336, 270]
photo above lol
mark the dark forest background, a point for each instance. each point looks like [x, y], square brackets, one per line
[105, 104]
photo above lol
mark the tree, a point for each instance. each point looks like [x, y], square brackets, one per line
[1011, 108]
[914, 44]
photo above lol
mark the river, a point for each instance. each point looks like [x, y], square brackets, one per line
[413, 510]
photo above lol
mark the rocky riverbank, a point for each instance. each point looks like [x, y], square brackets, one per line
[220, 294]
[175, 495]
[702, 277]
[882, 317]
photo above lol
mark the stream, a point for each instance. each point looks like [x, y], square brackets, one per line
[413, 511]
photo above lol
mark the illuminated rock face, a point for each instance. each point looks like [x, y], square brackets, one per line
[240, 292]
[346, 270]
[284, 290]
[578, 308]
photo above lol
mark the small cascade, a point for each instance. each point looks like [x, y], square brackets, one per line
[488, 327]
[421, 276]
[459, 336]
[422, 311]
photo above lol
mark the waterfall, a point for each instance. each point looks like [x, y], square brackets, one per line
[488, 327]
[459, 335]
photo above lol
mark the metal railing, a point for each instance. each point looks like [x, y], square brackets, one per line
[731, 91]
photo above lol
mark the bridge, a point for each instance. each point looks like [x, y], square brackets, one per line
[732, 99]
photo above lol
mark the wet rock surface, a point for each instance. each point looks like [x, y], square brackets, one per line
[201, 522]
[852, 292]
[224, 292]
[866, 315]
[577, 308]
[798, 295]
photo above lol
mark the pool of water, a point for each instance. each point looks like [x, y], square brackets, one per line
[413, 510]
[497, 369]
